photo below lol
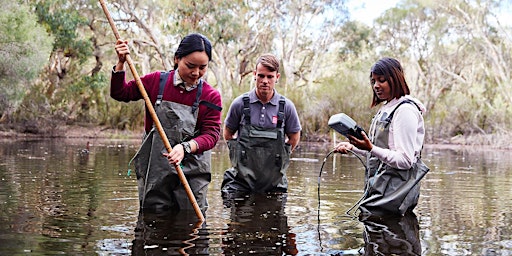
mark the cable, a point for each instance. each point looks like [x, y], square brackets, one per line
[318, 211]
[348, 211]
[365, 187]
[322, 167]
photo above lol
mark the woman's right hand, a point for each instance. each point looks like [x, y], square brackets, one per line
[343, 147]
[121, 50]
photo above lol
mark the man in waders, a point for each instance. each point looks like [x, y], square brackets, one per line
[189, 110]
[267, 128]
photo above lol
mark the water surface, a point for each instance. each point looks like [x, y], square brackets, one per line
[56, 201]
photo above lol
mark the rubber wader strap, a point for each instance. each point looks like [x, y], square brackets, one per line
[210, 105]
[399, 104]
[247, 110]
[163, 79]
[280, 114]
[198, 95]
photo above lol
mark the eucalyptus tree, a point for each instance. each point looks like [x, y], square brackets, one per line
[304, 36]
[24, 49]
[458, 56]
[154, 29]
[487, 78]
[239, 31]
[71, 88]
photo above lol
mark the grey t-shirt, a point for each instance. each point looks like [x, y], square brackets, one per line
[263, 115]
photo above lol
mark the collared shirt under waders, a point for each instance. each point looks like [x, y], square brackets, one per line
[390, 190]
[259, 157]
[159, 186]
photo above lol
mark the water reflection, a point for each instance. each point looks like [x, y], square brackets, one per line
[258, 225]
[170, 233]
[55, 202]
[391, 235]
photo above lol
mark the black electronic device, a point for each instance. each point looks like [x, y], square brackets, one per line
[345, 125]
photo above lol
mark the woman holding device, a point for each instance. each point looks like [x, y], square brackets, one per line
[393, 144]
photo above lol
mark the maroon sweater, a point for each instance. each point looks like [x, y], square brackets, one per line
[208, 119]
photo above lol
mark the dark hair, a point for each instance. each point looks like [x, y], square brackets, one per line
[193, 43]
[393, 72]
[269, 61]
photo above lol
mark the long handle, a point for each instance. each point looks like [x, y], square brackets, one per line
[152, 112]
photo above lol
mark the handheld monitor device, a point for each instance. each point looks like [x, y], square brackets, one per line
[345, 125]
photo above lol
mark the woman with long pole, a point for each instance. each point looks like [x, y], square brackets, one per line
[187, 114]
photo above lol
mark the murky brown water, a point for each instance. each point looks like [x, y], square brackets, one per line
[53, 201]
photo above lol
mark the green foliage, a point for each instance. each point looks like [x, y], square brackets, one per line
[357, 39]
[63, 23]
[346, 91]
[457, 57]
[455, 61]
[24, 49]
[89, 90]
[131, 116]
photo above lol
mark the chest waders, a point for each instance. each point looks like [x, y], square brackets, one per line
[259, 156]
[158, 183]
[390, 190]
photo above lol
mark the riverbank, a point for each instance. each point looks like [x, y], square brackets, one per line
[102, 132]
[72, 132]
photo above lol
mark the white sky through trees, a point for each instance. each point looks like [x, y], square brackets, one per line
[368, 10]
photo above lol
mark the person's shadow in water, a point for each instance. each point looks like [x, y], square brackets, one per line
[391, 235]
[258, 225]
[170, 233]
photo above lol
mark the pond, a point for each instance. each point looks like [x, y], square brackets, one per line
[56, 201]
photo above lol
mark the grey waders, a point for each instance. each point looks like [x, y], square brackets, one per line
[389, 190]
[159, 186]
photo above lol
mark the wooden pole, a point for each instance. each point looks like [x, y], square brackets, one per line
[152, 112]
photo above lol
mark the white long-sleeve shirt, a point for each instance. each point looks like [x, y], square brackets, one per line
[406, 133]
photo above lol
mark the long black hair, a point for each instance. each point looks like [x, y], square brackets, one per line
[193, 43]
